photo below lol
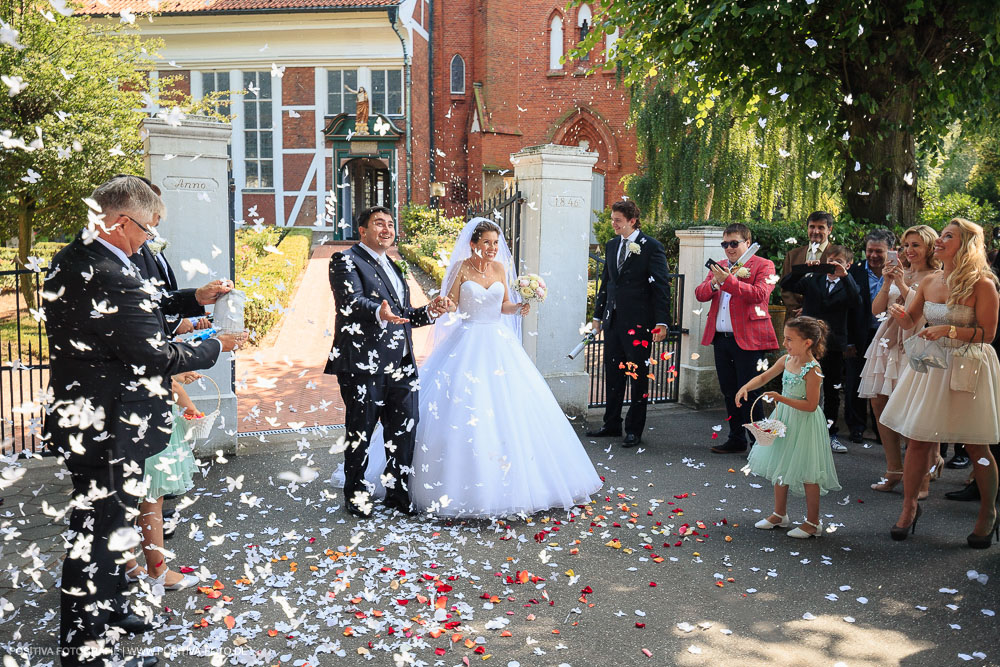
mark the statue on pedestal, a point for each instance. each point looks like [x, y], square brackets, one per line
[361, 113]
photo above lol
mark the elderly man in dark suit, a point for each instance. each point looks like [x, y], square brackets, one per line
[868, 276]
[373, 358]
[633, 309]
[110, 368]
[819, 225]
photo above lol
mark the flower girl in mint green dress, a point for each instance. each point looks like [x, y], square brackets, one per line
[801, 459]
[168, 473]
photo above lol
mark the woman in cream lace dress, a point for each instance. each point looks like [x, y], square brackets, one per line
[886, 357]
[960, 305]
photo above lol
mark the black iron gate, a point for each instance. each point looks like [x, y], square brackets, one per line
[24, 367]
[504, 209]
[665, 356]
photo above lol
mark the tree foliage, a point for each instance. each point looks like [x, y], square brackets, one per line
[75, 122]
[718, 167]
[868, 78]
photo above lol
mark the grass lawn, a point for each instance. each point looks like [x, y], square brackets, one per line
[29, 336]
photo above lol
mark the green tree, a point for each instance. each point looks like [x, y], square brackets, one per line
[869, 78]
[71, 119]
[717, 167]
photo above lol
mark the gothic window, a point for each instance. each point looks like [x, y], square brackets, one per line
[555, 42]
[457, 75]
[610, 45]
[584, 20]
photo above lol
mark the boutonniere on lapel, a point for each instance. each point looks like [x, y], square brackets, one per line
[742, 272]
[403, 267]
[157, 245]
[634, 248]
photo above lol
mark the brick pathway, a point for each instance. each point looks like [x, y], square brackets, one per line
[285, 383]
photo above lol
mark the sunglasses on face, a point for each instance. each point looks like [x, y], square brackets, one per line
[731, 244]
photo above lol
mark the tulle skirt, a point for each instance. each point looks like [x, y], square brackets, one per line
[802, 457]
[491, 439]
[171, 471]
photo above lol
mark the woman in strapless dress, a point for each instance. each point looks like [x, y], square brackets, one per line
[886, 357]
[960, 305]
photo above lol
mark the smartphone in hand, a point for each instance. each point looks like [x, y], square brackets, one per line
[710, 263]
[893, 257]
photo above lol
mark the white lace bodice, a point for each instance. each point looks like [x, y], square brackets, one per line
[481, 304]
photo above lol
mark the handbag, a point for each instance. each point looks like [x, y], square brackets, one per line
[923, 354]
[966, 362]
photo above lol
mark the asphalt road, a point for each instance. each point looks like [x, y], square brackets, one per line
[301, 582]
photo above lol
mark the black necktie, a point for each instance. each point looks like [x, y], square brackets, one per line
[622, 251]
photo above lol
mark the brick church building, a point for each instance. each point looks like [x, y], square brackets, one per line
[451, 89]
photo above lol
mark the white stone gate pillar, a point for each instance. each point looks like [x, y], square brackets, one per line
[699, 384]
[189, 163]
[555, 182]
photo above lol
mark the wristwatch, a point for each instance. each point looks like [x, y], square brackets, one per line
[952, 332]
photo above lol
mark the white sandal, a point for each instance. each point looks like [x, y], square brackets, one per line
[765, 524]
[800, 534]
[130, 579]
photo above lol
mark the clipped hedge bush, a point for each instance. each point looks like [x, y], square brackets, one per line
[429, 265]
[269, 278]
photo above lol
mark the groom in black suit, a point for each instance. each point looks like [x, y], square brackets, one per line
[373, 358]
[110, 368]
[632, 306]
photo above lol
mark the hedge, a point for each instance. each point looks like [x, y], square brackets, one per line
[269, 278]
[429, 265]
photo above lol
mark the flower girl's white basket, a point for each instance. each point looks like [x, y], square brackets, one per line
[766, 430]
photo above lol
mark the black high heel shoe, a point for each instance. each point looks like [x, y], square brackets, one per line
[900, 533]
[984, 541]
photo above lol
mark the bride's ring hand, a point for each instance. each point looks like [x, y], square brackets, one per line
[523, 309]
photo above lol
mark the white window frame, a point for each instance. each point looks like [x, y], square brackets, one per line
[248, 99]
[348, 106]
[371, 92]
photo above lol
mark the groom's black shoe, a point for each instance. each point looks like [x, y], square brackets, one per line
[631, 440]
[355, 510]
[968, 492]
[604, 432]
[404, 507]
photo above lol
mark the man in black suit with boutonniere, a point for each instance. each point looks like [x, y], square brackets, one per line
[111, 361]
[633, 309]
[373, 358]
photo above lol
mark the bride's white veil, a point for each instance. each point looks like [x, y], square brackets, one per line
[449, 322]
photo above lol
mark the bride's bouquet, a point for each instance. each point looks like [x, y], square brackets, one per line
[531, 287]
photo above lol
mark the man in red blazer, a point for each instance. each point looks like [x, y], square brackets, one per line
[739, 326]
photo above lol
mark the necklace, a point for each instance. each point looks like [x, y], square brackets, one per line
[481, 272]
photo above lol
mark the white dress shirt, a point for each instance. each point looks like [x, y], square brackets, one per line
[723, 320]
[394, 283]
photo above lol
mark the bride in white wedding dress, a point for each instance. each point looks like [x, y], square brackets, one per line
[491, 439]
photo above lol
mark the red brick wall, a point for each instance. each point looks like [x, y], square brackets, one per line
[265, 208]
[181, 83]
[505, 46]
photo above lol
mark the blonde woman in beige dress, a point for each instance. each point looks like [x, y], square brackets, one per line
[886, 357]
[960, 305]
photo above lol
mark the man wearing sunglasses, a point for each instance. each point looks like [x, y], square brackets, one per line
[110, 367]
[739, 326]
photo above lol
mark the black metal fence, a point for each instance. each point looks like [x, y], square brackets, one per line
[504, 209]
[24, 367]
[665, 356]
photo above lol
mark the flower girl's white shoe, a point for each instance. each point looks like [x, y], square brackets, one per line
[798, 533]
[766, 524]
